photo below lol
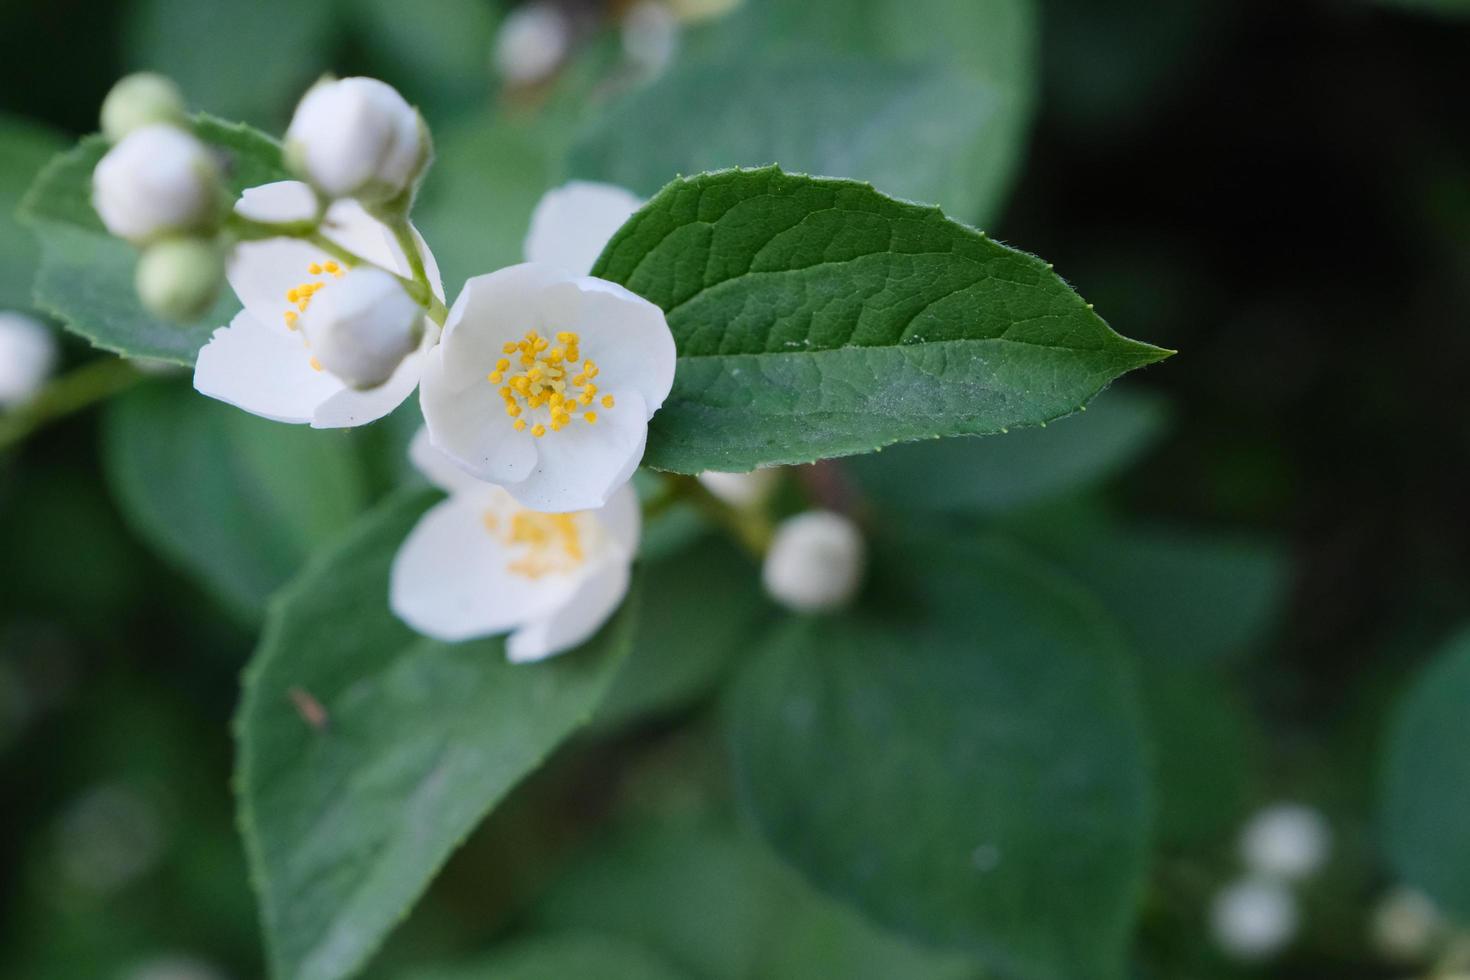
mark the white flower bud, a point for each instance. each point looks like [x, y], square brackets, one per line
[179, 278]
[815, 562]
[357, 137]
[741, 489]
[650, 35]
[159, 180]
[1406, 925]
[1253, 918]
[1286, 841]
[139, 100]
[27, 357]
[531, 44]
[696, 10]
[361, 328]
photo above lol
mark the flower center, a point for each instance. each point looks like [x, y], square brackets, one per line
[544, 379]
[300, 297]
[542, 544]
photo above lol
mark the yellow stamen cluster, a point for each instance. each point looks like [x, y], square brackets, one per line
[300, 296]
[536, 374]
[543, 544]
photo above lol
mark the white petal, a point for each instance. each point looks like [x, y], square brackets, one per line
[264, 371]
[348, 224]
[467, 422]
[450, 581]
[622, 518]
[438, 468]
[281, 201]
[626, 335]
[349, 407]
[572, 224]
[596, 599]
[581, 466]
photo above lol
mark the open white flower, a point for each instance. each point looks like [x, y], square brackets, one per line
[27, 357]
[479, 564]
[262, 362]
[157, 181]
[357, 137]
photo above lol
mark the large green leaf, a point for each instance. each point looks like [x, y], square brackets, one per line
[27, 149]
[721, 907]
[1021, 468]
[559, 956]
[86, 276]
[818, 317]
[1427, 782]
[236, 501]
[966, 766]
[928, 99]
[346, 821]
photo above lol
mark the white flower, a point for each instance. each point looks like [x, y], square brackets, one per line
[479, 564]
[139, 100]
[572, 224]
[363, 327]
[27, 357]
[650, 34]
[1253, 918]
[815, 562]
[741, 489]
[261, 361]
[357, 137]
[158, 180]
[545, 382]
[1286, 841]
[1406, 925]
[532, 41]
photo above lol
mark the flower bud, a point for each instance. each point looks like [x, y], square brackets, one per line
[1286, 841]
[815, 563]
[361, 328]
[179, 278]
[650, 36]
[139, 100]
[1253, 918]
[741, 489]
[357, 137]
[1406, 925]
[159, 180]
[27, 357]
[531, 44]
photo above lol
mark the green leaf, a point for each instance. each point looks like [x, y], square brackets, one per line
[966, 766]
[721, 907]
[560, 957]
[345, 823]
[1426, 793]
[27, 149]
[86, 276]
[236, 501]
[1021, 468]
[928, 99]
[818, 317]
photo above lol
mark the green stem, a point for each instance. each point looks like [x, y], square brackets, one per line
[750, 528]
[79, 388]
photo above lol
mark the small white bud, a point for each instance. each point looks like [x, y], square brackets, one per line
[531, 43]
[741, 489]
[650, 34]
[179, 278]
[139, 100]
[815, 562]
[159, 180]
[357, 137]
[1406, 925]
[1254, 918]
[362, 327]
[697, 10]
[27, 357]
[1286, 841]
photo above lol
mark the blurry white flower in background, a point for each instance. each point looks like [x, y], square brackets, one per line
[815, 562]
[108, 837]
[1406, 925]
[572, 223]
[650, 35]
[742, 489]
[1287, 841]
[28, 354]
[532, 42]
[1253, 918]
[479, 564]
[697, 10]
[172, 966]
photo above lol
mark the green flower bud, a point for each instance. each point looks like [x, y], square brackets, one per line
[179, 278]
[141, 100]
